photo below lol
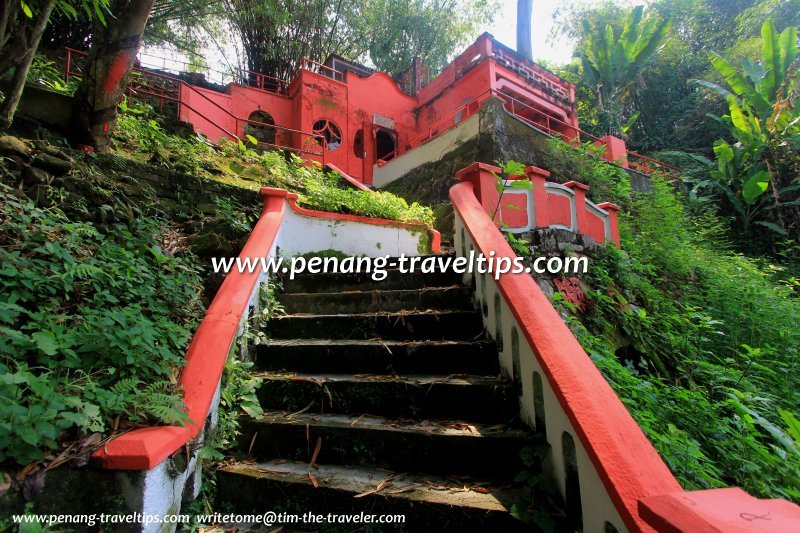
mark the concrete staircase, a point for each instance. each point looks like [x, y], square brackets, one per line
[382, 397]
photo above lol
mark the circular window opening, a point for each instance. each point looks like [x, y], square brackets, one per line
[358, 145]
[329, 131]
[261, 126]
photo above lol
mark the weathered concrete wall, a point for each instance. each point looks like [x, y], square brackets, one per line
[500, 137]
[46, 107]
[436, 149]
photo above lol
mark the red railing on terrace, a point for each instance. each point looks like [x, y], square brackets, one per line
[639, 162]
[318, 68]
[549, 125]
[315, 138]
[167, 88]
[433, 130]
[149, 62]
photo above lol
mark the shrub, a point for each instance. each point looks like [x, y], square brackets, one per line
[700, 343]
[324, 193]
[94, 327]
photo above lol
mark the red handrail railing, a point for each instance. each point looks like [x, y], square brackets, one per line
[647, 164]
[249, 78]
[319, 68]
[237, 120]
[516, 107]
[428, 133]
[174, 96]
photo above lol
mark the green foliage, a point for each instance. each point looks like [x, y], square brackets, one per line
[323, 192]
[237, 397]
[235, 215]
[701, 346]
[765, 122]
[518, 244]
[141, 129]
[399, 31]
[612, 61]
[539, 491]
[69, 8]
[44, 72]
[584, 163]
[94, 324]
[508, 169]
[276, 36]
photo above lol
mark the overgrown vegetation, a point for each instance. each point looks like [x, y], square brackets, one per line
[95, 322]
[323, 192]
[745, 52]
[699, 342]
[141, 132]
[237, 397]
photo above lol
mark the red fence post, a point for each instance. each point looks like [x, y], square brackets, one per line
[613, 220]
[482, 177]
[538, 177]
[581, 216]
[616, 152]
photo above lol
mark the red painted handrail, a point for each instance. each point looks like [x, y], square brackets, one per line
[655, 164]
[145, 448]
[428, 134]
[318, 68]
[644, 492]
[249, 78]
[649, 164]
[348, 178]
[623, 456]
[168, 96]
[316, 136]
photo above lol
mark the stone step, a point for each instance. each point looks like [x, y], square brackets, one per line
[411, 325]
[474, 398]
[448, 447]
[395, 280]
[371, 301]
[428, 503]
[377, 356]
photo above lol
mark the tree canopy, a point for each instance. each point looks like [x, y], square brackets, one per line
[275, 35]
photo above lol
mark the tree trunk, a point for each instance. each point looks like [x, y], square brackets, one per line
[108, 68]
[524, 43]
[9, 106]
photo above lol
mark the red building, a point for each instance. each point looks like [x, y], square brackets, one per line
[344, 114]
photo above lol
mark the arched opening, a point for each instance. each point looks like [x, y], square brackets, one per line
[572, 482]
[385, 145]
[498, 323]
[516, 364]
[260, 126]
[358, 145]
[329, 131]
[538, 405]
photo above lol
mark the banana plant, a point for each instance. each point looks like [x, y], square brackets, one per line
[612, 63]
[764, 120]
[761, 96]
[762, 85]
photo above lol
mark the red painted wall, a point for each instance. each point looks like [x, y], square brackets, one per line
[559, 210]
[354, 103]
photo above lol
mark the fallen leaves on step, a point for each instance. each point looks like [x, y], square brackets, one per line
[301, 411]
[317, 448]
[383, 484]
[252, 443]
